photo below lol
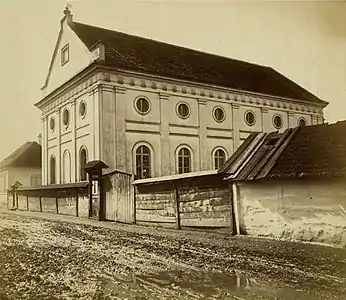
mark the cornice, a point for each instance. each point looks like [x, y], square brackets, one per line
[188, 85]
[121, 81]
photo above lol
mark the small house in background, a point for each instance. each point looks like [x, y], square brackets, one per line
[291, 185]
[24, 166]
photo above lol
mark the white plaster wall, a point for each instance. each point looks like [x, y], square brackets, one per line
[200, 130]
[4, 183]
[23, 175]
[307, 210]
[79, 58]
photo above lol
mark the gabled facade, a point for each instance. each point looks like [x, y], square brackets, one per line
[23, 165]
[154, 109]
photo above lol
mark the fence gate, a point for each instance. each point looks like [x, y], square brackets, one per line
[118, 193]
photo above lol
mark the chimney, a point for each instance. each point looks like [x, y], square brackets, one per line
[39, 139]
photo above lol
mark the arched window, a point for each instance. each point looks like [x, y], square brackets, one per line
[219, 158]
[67, 167]
[184, 161]
[302, 122]
[143, 162]
[52, 170]
[82, 163]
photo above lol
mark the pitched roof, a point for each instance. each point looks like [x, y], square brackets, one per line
[28, 155]
[311, 151]
[145, 55]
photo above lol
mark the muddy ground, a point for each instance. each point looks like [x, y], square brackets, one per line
[46, 256]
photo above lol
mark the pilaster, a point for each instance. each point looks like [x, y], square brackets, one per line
[58, 155]
[236, 123]
[290, 117]
[165, 148]
[73, 147]
[108, 132]
[44, 149]
[94, 152]
[120, 132]
[264, 119]
[314, 120]
[204, 158]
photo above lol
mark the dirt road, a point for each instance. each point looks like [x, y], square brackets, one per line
[55, 257]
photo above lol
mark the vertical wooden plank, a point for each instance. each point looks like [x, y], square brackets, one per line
[17, 200]
[27, 201]
[40, 199]
[13, 199]
[76, 202]
[232, 215]
[134, 202]
[102, 199]
[176, 206]
[56, 202]
[90, 197]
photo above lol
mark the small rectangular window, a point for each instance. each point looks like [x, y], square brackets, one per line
[65, 55]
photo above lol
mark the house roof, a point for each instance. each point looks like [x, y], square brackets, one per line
[311, 151]
[139, 54]
[28, 155]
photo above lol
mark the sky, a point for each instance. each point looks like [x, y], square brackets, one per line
[305, 41]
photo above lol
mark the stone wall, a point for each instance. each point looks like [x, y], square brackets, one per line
[306, 210]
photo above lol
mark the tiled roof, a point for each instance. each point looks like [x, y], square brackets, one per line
[28, 155]
[314, 151]
[311, 151]
[139, 54]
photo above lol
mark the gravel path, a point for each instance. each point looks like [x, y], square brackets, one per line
[58, 257]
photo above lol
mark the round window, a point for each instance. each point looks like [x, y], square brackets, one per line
[277, 121]
[66, 117]
[302, 122]
[183, 110]
[250, 118]
[52, 124]
[219, 114]
[82, 109]
[142, 105]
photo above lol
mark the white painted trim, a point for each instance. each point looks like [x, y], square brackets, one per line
[235, 190]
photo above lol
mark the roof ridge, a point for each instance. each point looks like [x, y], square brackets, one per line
[174, 45]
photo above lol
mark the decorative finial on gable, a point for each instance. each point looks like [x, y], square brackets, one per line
[67, 11]
[67, 14]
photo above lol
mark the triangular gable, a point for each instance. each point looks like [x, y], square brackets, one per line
[79, 57]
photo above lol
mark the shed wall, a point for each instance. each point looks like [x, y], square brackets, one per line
[307, 210]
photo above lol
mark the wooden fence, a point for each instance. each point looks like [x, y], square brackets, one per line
[193, 201]
[68, 199]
